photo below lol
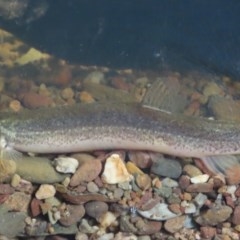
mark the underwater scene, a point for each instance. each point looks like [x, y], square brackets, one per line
[119, 120]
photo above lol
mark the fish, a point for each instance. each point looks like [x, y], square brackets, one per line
[128, 126]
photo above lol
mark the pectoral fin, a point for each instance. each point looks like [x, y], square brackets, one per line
[227, 165]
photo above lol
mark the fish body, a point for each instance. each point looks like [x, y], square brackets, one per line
[96, 126]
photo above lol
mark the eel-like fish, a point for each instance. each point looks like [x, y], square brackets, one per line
[95, 126]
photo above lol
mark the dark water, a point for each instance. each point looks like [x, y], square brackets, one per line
[135, 33]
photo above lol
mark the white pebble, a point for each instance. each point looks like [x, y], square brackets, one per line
[45, 191]
[115, 170]
[159, 212]
[200, 178]
[66, 164]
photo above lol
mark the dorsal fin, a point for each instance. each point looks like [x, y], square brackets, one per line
[164, 95]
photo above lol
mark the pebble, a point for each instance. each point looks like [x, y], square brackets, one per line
[86, 172]
[72, 214]
[45, 191]
[15, 105]
[67, 93]
[118, 193]
[168, 182]
[208, 232]
[133, 169]
[107, 219]
[64, 76]
[175, 224]
[164, 192]
[184, 182]
[214, 216]
[125, 186]
[106, 236]
[143, 181]
[189, 208]
[18, 201]
[96, 209]
[200, 187]
[94, 77]
[15, 180]
[126, 236]
[175, 208]
[147, 227]
[37, 170]
[35, 100]
[12, 223]
[66, 164]
[115, 170]
[159, 212]
[166, 167]
[200, 179]
[81, 236]
[6, 188]
[236, 215]
[224, 109]
[126, 225]
[86, 97]
[200, 200]
[84, 227]
[144, 237]
[141, 159]
[191, 170]
[233, 175]
[211, 89]
[35, 207]
[92, 187]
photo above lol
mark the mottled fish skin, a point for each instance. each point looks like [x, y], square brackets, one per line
[96, 126]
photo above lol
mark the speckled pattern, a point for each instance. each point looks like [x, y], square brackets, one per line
[108, 126]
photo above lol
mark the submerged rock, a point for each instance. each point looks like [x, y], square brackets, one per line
[159, 212]
[115, 170]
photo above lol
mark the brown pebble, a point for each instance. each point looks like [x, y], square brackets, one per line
[143, 181]
[119, 83]
[233, 175]
[174, 224]
[35, 207]
[175, 208]
[6, 188]
[229, 201]
[64, 76]
[96, 209]
[35, 100]
[72, 214]
[237, 192]
[208, 232]
[200, 187]
[184, 182]
[214, 216]
[148, 227]
[87, 172]
[187, 196]
[236, 216]
[86, 97]
[191, 170]
[141, 159]
[15, 105]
